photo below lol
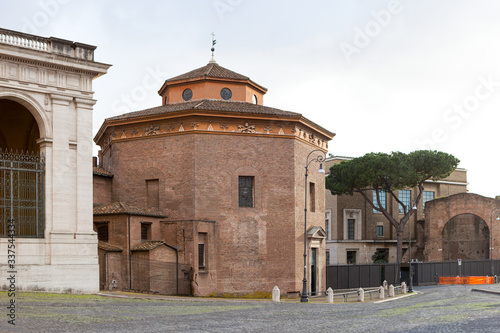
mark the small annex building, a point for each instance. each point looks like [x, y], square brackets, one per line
[227, 175]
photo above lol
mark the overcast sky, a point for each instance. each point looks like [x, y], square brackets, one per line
[383, 75]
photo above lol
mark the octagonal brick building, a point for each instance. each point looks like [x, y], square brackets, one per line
[228, 172]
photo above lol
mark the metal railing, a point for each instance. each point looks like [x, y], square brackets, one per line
[22, 194]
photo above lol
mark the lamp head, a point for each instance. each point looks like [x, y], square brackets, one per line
[321, 170]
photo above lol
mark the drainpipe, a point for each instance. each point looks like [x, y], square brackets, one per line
[129, 257]
[105, 271]
[177, 269]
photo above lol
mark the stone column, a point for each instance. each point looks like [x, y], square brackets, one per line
[63, 166]
[83, 146]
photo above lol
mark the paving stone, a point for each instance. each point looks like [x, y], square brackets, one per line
[436, 309]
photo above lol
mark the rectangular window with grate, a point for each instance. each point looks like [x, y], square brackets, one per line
[427, 196]
[246, 191]
[201, 255]
[145, 231]
[382, 200]
[350, 228]
[351, 257]
[380, 231]
[102, 232]
[405, 198]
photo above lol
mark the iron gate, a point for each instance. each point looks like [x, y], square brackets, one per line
[22, 194]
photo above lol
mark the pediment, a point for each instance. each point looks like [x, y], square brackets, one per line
[316, 233]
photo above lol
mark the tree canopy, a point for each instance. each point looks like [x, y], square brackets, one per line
[389, 173]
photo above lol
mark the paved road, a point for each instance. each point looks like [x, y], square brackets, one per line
[436, 309]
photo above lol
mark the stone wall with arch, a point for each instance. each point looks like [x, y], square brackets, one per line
[46, 104]
[461, 215]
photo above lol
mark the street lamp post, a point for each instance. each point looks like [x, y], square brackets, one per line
[491, 238]
[319, 158]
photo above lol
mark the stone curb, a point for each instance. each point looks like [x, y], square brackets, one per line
[179, 298]
[396, 298]
[487, 291]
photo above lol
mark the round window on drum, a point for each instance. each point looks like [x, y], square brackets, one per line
[226, 94]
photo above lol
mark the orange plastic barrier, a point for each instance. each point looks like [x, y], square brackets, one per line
[466, 280]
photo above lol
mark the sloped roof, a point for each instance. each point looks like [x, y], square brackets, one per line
[109, 247]
[117, 208]
[148, 245]
[101, 172]
[316, 232]
[210, 70]
[208, 105]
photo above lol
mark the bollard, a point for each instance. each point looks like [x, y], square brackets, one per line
[384, 284]
[361, 295]
[495, 279]
[276, 294]
[391, 291]
[329, 295]
[403, 287]
[381, 292]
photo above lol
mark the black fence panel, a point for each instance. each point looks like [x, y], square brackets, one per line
[356, 276]
[375, 275]
[367, 276]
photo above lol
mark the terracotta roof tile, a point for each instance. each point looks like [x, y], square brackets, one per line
[148, 245]
[208, 105]
[123, 208]
[109, 247]
[210, 70]
[102, 172]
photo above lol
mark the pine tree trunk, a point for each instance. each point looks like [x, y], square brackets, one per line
[399, 257]
[399, 237]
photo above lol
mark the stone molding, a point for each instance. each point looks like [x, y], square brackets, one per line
[190, 124]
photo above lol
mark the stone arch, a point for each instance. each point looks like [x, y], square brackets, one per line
[440, 211]
[466, 237]
[19, 130]
[33, 107]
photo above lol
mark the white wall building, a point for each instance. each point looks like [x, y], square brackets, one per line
[46, 103]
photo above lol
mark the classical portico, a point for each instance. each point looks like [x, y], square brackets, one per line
[46, 103]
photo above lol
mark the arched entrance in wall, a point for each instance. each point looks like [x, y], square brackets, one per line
[466, 237]
[475, 209]
[21, 172]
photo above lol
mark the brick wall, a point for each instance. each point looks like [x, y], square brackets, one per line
[463, 216]
[254, 248]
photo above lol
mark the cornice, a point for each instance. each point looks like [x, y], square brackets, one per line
[67, 64]
[188, 113]
[200, 132]
[315, 126]
[276, 127]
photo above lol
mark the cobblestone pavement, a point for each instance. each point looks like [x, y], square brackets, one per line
[435, 309]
